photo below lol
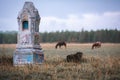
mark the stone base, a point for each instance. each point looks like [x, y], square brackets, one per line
[28, 56]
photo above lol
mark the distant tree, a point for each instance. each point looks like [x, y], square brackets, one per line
[112, 36]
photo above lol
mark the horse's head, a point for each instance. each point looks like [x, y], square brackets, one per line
[56, 46]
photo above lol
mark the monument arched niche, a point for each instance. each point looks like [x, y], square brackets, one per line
[25, 22]
[24, 25]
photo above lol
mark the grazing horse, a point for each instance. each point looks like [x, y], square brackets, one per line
[96, 45]
[61, 43]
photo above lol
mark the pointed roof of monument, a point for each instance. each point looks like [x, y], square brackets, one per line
[29, 6]
[29, 9]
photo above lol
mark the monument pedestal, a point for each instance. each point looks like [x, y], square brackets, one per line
[28, 56]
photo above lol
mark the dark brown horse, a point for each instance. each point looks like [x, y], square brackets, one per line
[74, 57]
[96, 45]
[61, 43]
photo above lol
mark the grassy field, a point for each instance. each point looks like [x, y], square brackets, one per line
[98, 64]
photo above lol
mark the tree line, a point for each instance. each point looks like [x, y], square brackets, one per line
[83, 36]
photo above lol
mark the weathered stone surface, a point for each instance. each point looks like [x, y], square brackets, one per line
[28, 38]
[28, 49]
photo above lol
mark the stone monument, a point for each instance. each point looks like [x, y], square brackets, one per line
[28, 49]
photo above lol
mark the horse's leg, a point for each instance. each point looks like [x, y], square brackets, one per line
[92, 46]
[59, 46]
[65, 46]
[98, 46]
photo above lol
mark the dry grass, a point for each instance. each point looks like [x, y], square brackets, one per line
[98, 64]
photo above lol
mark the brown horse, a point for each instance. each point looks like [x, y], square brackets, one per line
[74, 57]
[96, 45]
[61, 43]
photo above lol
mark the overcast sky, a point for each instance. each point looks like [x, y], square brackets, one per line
[57, 15]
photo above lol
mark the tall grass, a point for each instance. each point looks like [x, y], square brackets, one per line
[94, 65]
